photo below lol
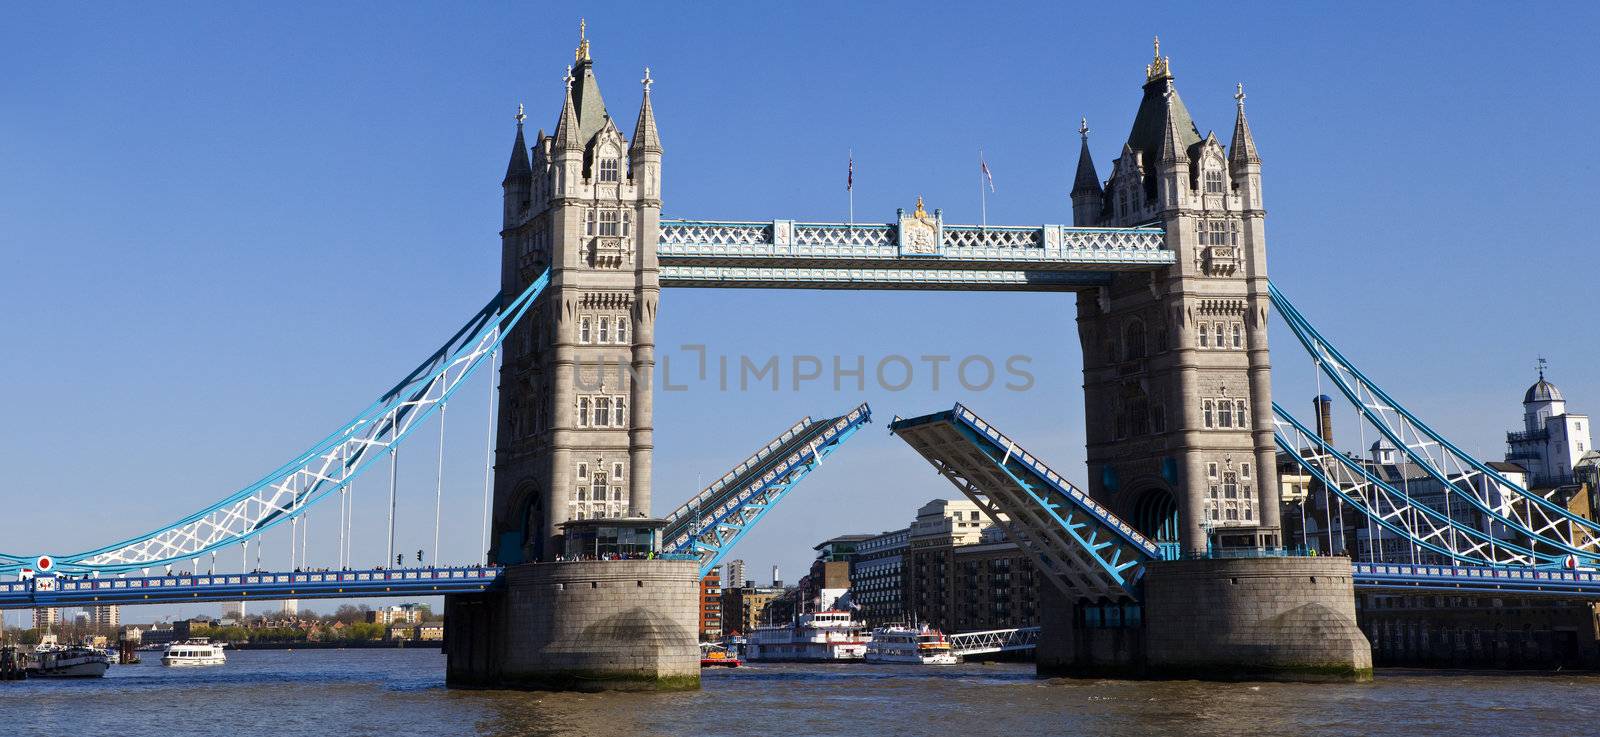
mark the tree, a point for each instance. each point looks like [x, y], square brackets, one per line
[351, 614]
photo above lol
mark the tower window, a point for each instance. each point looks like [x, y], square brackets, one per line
[1205, 336]
[627, 223]
[583, 411]
[588, 221]
[1238, 336]
[616, 471]
[1238, 414]
[1244, 470]
[1211, 473]
[609, 222]
[583, 470]
[1213, 182]
[605, 330]
[583, 330]
[619, 412]
[1133, 345]
[602, 412]
[1209, 407]
[622, 330]
[1230, 485]
[608, 170]
[1224, 417]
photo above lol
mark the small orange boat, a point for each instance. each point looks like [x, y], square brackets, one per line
[719, 659]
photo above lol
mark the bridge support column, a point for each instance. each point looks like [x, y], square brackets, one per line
[1289, 619]
[1242, 618]
[579, 626]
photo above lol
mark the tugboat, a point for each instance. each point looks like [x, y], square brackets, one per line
[68, 661]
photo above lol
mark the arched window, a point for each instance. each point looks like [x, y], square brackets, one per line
[1213, 181]
[583, 411]
[1205, 336]
[1133, 341]
[1230, 485]
[608, 170]
[1209, 408]
[619, 412]
[622, 330]
[1238, 336]
[602, 412]
[605, 331]
[588, 222]
[1224, 417]
[583, 329]
[1239, 414]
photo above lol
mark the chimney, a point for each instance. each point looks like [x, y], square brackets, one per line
[776, 582]
[1324, 405]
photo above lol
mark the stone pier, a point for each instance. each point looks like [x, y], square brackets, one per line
[586, 626]
[1220, 619]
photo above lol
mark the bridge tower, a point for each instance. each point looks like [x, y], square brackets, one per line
[574, 436]
[1176, 373]
[575, 432]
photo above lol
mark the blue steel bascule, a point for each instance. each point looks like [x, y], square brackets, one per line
[1084, 548]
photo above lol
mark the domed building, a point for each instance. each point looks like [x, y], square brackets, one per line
[1552, 440]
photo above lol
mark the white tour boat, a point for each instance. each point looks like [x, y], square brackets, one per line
[68, 661]
[816, 637]
[194, 652]
[897, 643]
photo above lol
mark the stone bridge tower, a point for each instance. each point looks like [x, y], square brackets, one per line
[1176, 372]
[574, 437]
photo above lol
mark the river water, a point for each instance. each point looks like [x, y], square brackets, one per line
[401, 693]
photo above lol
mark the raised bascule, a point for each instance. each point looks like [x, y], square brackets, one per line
[1169, 561]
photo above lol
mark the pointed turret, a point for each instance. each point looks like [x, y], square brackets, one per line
[519, 166]
[1244, 162]
[566, 135]
[518, 184]
[1243, 149]
[1162, 116]
[645, 137]
[1086, 193]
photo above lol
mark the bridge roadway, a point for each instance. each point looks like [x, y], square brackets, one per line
[50, 591]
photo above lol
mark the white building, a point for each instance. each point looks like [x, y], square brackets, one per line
[1552, 439]
[951, 521]
[109, 615]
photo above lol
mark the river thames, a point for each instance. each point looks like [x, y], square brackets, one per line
[401, 693]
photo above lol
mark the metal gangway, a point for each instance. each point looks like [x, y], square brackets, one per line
[994, 641]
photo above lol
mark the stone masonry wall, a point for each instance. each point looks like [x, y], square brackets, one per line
[1254, 617]
[590, 625]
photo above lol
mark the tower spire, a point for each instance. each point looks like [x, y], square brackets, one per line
[1087, 181]
[519, 166]
[1242, 150]
[645, 137]
[1160, 67]
[566, 134]
[582, 54]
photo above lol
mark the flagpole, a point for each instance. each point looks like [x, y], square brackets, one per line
[851, 187]
[983, 197]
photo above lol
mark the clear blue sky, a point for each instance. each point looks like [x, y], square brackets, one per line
[225, 228]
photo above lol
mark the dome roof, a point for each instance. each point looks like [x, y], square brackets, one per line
[1543, 391]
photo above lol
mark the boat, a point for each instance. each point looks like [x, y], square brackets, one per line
[714, 656]
[825, 636]
[897, 643]
[193, 652]
[68, 661]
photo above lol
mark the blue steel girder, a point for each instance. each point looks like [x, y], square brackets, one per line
[1461, 475]
[53, 591]
[1081, 546]
[789, 254]
[746, 498]
[323, 469]
[1419, 523]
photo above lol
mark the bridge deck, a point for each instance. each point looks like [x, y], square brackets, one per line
[1079, 545]
[1477, 580]
[788, 254]
[58, 592]
[711, 522]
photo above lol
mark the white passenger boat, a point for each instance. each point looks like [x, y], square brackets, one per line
[68, 661]
[898, 643]
[193, 652]
[816, 637]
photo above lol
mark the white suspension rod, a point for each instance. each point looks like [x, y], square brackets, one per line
[438, 490]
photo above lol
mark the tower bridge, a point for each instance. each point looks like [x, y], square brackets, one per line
[1170, 559]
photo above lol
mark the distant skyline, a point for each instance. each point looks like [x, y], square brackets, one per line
[227, 227]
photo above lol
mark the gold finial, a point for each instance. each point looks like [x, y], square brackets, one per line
[1083, 127]
[1160, 66]
[520, 116]
[920, 213]
[647, 81]
[582, 53]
